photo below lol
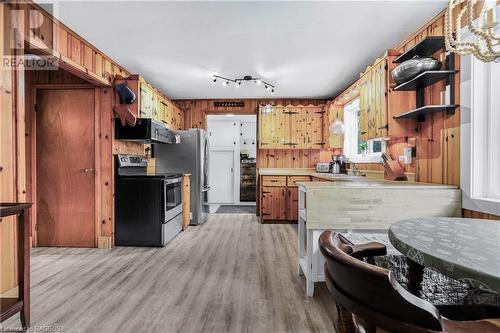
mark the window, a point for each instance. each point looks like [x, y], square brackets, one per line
[355, 148]
[480, 138]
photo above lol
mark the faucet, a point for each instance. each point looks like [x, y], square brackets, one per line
[354, 169]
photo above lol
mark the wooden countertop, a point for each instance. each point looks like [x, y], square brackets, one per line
[359, 182]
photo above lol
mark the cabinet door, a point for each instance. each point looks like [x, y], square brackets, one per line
[266, 122]
[334, 112]
[273, 203]
[298, 127]
[373, 102]
[281, 128]
[146, 100]
[314, 128]
[363, 108]
[292, 203]
[381, 121]
[163, 112]
[176, 116]
[155, 106]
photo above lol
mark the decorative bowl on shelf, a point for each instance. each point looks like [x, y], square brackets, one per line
[409, 69]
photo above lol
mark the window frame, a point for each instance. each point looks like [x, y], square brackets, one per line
[350, 136]
[475, 127]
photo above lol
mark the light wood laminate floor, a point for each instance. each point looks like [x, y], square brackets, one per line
[231, 274]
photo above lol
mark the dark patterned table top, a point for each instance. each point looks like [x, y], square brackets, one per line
[465, 249]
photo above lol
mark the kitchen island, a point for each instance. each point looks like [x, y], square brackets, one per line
[352, 204]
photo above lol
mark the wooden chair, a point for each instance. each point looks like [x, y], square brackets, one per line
[379, 303]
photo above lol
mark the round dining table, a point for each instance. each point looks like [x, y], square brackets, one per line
[464, 249]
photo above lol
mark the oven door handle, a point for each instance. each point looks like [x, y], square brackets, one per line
[206, 188]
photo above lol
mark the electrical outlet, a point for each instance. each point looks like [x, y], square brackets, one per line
[408, 155]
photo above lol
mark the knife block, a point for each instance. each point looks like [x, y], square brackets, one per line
[394, 171]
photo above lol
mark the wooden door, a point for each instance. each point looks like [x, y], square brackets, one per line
[281, 128]
[273, 203]
[65, 167]
[315, 128]
[265, 128]
[298, 127]
[381, 118]
[146, 101]
[221, 176]
[292, 203]
[334, 112]
[363, 108]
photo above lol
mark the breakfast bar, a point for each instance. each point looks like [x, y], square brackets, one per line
[356, 204]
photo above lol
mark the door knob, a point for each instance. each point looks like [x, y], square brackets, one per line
[88, 170]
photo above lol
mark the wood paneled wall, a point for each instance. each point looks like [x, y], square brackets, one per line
[195, 112]
[437, 139]
[75, 56]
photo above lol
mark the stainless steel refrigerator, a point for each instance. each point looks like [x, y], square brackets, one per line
[188, 156]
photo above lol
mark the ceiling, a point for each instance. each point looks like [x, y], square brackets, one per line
[306, 49]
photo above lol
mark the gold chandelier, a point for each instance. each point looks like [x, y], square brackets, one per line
[485, 44]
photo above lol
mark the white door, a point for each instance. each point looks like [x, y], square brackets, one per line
[222, 132]
[221, 175]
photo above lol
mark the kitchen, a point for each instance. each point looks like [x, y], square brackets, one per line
[363, 142]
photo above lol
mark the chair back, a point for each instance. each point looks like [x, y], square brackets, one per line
[372, 292]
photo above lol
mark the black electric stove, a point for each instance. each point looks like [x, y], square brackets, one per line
[148, 207]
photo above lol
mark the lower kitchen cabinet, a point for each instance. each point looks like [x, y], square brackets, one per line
[273, 203]
[280, 197]
[292, 202]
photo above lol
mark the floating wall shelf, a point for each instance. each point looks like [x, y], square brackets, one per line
[426, 47]
[425, 110]
[424, 79]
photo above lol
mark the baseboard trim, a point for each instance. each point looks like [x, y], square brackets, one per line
[105, 242]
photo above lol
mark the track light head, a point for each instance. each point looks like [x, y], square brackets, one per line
[272, 91]
[267, 87]
[237, 83]
[214, 80]
[225, 83]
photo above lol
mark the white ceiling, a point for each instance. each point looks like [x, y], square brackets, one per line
[306, 49]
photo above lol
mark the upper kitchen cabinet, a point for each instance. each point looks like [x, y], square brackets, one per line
[333, 116]
[291, 127]
[151, 103]
[373, 101]
[379, 102]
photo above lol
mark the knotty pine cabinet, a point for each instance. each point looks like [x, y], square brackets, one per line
[373, 88]
[291, 127]
[151, 103]
[379, 103]
[279, 197]
[334, 110]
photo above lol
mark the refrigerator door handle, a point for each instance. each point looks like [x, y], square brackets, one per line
[206, 188]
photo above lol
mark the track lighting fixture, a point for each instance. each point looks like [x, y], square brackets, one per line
[247, 78]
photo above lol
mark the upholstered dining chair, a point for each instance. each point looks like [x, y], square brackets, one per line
[378, 303]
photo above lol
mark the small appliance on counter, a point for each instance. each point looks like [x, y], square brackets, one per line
[339, 164]
[148, 207]
[323, 167]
